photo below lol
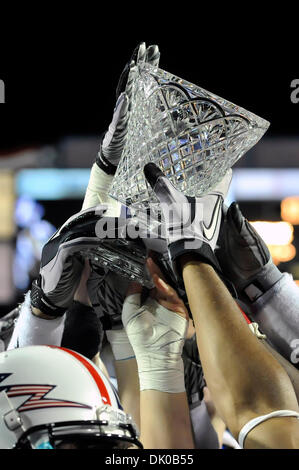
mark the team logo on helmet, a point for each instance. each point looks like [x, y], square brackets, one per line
[36, 396]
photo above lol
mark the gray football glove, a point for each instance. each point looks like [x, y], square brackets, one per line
[191, 224]
[114, 139]
[61, 263]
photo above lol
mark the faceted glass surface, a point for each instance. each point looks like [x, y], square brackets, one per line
[125, 258]
[193, 135]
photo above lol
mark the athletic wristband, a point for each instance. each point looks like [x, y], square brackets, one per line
[204, 254]
[105, 165]
[40, 301]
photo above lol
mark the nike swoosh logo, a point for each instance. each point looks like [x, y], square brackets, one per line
[209, 232]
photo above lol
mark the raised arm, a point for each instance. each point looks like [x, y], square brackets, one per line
[271, 297]
[97, 192]
[244, 379]
[156, 330]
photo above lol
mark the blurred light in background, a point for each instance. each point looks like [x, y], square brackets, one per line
[27, 211]
[247, 184]
[264, 184]
[52, 183]
[7, 290]
[290, 209]
[33, 234]
[275, 233]
[7, 232]
[278, 236]
[7, 202]
[282, 253]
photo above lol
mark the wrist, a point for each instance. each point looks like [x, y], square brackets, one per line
[38, 313]
[186, 251]
[104, 164]
[164, 378]
[262, 282]
[41, 306]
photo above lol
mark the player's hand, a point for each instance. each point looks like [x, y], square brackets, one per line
[114, 139]
[157, 335]
[62, 264]
[244, 257]
[191, 224]
[163, 293]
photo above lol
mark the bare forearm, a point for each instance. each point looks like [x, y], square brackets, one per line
[292, 372]
[244, 379]
[128, 387]
[174, 427]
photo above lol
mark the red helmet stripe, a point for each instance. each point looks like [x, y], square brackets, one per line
[244, 315]
[96, 376]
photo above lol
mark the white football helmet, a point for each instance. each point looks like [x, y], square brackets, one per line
[53, 398]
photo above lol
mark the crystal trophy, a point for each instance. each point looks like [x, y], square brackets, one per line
[193, 135]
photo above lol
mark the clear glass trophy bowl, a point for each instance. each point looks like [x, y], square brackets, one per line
[193, 135]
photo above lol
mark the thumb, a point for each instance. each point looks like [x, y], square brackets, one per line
[162, 187]
[152, 174]
[235, 216]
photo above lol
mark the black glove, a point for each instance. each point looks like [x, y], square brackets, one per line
[244, 257]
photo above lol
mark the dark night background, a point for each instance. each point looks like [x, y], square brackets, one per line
[64, 84]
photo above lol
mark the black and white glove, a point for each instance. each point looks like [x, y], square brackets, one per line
[114, 139]
[62, 264]
[244, 257]
[192, 224]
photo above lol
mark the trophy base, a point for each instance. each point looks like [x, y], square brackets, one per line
[124, 257]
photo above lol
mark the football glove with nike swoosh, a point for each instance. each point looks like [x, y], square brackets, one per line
[62, 264]
[192, 224]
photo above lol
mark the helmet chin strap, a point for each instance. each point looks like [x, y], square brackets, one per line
[11, 416]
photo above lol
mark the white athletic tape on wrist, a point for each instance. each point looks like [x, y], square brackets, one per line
[260, 419]
[97, 192]
[32, 330]
[120, 344]
[157, 336]
[254, 327]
